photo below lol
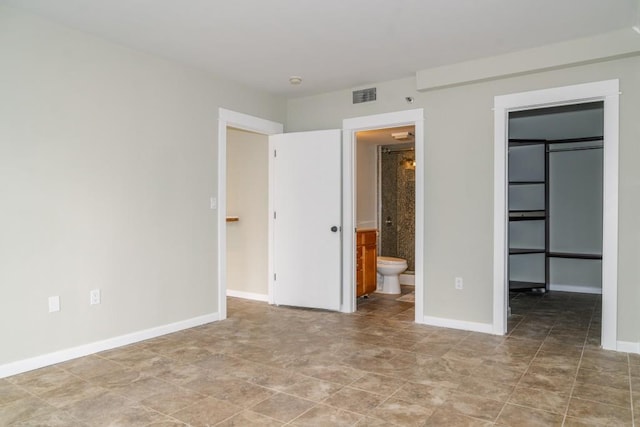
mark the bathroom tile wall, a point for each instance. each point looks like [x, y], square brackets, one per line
[398, 203]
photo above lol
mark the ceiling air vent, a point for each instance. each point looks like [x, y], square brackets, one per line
[364, 95]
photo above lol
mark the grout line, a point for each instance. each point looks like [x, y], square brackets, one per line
[522, 376]
[575, 378]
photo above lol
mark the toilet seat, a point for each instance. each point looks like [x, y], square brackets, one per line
[389, 260]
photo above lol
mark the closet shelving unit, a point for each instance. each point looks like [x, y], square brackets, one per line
[543, 213]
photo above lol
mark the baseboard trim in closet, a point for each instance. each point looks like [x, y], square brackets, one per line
[575, 288]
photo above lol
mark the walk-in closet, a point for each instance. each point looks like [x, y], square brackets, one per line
[555, 173]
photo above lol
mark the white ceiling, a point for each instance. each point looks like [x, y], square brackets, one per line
[332, 44]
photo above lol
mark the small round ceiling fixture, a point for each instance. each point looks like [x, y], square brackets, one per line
[295, 80]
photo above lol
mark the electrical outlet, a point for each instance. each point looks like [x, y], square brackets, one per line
[54, 304]
[458, 282]
[94, 297]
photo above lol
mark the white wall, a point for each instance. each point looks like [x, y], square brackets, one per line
[459, 179]
[366, 185]
[107, 164]
[247, 198]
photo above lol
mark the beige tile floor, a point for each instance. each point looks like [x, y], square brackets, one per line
[277, 366]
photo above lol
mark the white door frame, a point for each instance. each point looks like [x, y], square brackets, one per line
[350, 127]
[228, 118]
[608, 92]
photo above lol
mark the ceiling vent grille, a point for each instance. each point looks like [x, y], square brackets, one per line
[364, 95]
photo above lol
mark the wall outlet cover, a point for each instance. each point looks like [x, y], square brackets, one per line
[54, 304]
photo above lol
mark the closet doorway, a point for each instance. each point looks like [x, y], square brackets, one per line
[554, 233]
[247, 214]
[554, 238]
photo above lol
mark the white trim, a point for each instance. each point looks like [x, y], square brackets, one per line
[394, 119]
[380, 121]
[610, 218]
[575, 288]
[228, 118]
[628, 347]
[250, 123]
[485, 328]
[248, 295]
[407, 279]
[607, 91]
[25, 365]
[500, 243]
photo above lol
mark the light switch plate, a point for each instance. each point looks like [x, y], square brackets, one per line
[94, 297]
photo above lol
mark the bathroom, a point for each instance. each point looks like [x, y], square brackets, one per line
[385, 214]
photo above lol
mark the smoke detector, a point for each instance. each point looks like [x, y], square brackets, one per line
[295, 80]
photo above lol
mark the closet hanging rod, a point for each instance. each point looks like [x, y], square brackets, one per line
[555, 141]
[573, 149]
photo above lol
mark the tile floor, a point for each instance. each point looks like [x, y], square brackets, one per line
[281, 366]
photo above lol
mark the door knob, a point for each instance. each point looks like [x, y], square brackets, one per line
[388, 221]
[334, 228]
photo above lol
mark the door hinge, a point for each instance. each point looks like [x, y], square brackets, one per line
[274, 215]
[274, 276]
[274, 153]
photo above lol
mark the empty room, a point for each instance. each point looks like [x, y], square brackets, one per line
[355, 213]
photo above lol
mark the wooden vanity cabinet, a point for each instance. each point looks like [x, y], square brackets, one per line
[366, 262]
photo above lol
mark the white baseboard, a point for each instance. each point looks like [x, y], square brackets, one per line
[32, 363]
[574, 288]
[247, 295]
[628, 347]
[408, 279]
[486, 328]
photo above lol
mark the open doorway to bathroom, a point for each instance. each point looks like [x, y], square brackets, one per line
[385, 222]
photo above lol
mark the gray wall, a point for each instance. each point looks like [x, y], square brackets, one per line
[107, 164]
[459, 179]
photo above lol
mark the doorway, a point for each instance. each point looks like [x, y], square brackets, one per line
[385, 210]
[409, 118]
[606, 93]
[285, 254]
[555, 206]
[247, 214]
[231, 119]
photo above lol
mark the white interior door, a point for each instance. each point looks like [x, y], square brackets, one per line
[306, 198]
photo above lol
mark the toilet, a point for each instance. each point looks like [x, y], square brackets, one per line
[390, 268]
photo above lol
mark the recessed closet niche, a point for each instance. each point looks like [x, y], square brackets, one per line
[555, 198]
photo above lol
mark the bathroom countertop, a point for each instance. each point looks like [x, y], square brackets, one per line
[365, 229]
